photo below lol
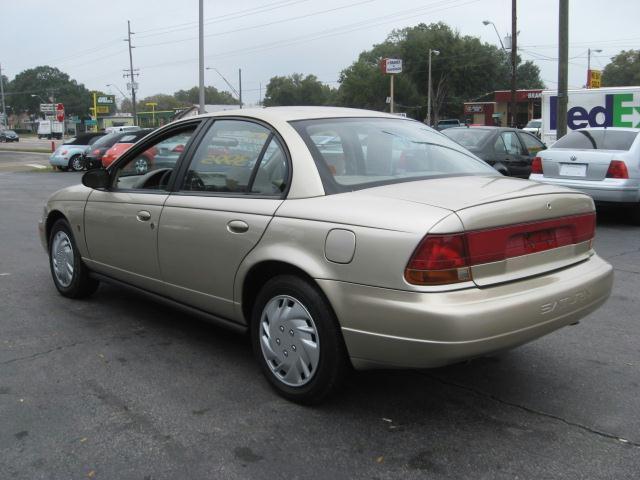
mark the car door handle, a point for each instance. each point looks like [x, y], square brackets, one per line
[237, 226]
[143, 216]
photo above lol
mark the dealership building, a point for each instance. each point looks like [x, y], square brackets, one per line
[495, 108]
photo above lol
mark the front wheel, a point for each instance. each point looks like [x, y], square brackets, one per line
[70, 275]
[141, 165]
[297, 340]
[75, 163]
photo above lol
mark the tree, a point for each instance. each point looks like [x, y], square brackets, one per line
[624, 70]
[465, 69]
[298, 90]
[212, 96]
[48, 83]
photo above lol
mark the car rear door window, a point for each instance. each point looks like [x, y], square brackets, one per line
[227, 158]
[512, 144]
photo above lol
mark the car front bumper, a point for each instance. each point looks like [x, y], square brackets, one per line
[608, 190]
[385, 328]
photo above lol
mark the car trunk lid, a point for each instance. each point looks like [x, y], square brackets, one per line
[513, 228]
[577, 164]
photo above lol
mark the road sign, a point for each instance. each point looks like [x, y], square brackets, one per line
[391, 65]
[60, 112]
[594, 78]
[105, 100]
[102, 109]
[47, 107]
[90, 123]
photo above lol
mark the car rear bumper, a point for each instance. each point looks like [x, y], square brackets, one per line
[385, 328]
[607, 190]
[58, 161]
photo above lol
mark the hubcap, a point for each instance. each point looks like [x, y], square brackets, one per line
[141, 166]
[289, 340]
[62, 258]
[76, 164]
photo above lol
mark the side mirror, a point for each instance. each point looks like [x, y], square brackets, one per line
[97, 179]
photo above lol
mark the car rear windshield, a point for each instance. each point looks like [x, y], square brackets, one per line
[109, 140]
[468, 137]
[355, 153]
[133, 137]
[534, 124]
[597, 140]
[82, 139]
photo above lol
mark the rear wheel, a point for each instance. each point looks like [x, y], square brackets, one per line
[75, 163]
[297, 340]
[141, 165]
[70, 275]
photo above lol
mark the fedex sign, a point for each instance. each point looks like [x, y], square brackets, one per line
[617, 110]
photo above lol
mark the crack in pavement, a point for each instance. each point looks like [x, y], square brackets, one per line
[39, 354]
[626, 271]
[622, 254]
[481, 393]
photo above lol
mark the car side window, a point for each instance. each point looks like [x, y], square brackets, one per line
[531, 143]
[151, 168]
[512, 143]
[499, 146]
[227, 157]
[272, 174]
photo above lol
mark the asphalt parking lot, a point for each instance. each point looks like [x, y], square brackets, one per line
[118, 387]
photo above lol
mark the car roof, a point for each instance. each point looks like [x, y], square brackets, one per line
[288, 114]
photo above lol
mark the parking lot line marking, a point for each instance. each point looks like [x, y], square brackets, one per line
[36, 165]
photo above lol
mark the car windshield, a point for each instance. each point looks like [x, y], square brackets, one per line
[10, 131]
[354, 153]
[468, 137]
[534, 124]
[597, 140]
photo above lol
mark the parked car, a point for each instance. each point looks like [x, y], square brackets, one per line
[122, 129]
[366, 264]
[602, 162]
[534, 127]
[509, 150]
[68, 156]
[9, 136]
[448, 123]
[92, 156]
[123, 145]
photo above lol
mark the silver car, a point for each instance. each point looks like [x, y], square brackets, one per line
[602, 162]
[394, 248]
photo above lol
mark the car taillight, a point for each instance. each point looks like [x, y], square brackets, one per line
[96, 152]
[178, 148]
[617, 169]
[439, 260]
[536, 165]
[445, 259]
[64, 152]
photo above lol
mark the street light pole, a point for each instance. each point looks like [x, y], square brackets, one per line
[487, 22]
[201, 57]
[4, 108]
[437, 52]
[514, 61]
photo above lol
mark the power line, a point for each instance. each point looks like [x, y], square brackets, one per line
[251, 27]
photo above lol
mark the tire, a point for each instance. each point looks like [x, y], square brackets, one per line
[635, 214]
[76, 164]
[297, 341]
[63, 254]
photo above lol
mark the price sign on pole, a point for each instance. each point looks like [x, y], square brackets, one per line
[60, 112]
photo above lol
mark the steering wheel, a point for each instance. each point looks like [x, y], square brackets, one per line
[152, 179]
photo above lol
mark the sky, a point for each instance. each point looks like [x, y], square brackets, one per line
[264, 38]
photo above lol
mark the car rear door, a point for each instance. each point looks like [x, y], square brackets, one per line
[121, 223]
[225, 199]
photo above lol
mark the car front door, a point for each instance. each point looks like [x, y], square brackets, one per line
[228, 194]
[121, 222]
[515, 159]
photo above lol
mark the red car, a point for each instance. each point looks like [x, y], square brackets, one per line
[124, 144]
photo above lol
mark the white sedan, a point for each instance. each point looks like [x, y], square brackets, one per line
[602, 162]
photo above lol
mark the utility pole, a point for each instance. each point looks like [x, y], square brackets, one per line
[514, 60]
[240, 86]
[131, 75]
[563, 67]
[4, 109]
[201, 57]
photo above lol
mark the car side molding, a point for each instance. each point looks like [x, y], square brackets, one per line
[207, 317]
